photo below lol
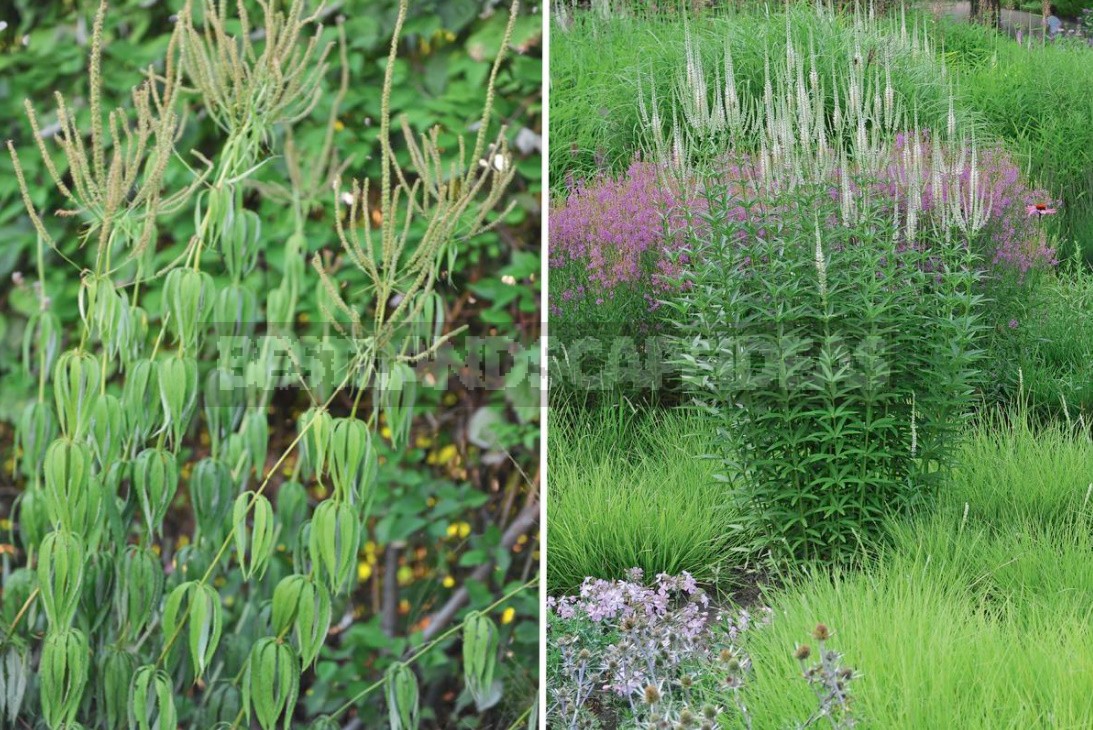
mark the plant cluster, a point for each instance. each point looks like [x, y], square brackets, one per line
[658, 655]
[114, 621]
[835, 328]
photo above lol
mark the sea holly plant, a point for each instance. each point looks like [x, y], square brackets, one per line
[128, 611]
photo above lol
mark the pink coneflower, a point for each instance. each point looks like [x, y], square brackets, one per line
[1040, 209]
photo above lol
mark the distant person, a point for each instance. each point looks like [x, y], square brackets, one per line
[1054, 25]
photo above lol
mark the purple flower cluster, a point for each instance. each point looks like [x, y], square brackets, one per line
[619, 232]
[629, 231]
[1014, 237]
[642, 646]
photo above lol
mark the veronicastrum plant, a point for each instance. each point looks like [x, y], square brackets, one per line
[830, 312]
[104, 627]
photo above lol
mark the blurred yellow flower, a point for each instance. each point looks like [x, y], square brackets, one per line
[364, 571]
[448, 582]
[508, 615]
[405, 575]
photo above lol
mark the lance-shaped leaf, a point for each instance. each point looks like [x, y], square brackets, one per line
[187, 298]
[333, 543]
[222, 702]
[155, 479]
[178, 390]
[252, 517]
[151, 701]
[138, 588]
[292, 511]
[256, 436]
[76, 383]
[235, 311]
[303, 605]
[14, 672]
[140, 399]
[211, 494]
[108, 429]
[60, 575]
[36, 430]
[237, 456]
[314, 445]
[98, 589]
[67, 470]
[62, 673]
[33, 518]
[271, 683]
[402, 697]
[106, 313]
[116, 668]
[239, 243]
[41, 341]
[480, 642]
[398, 393]
[224, 403]
[18, 588]
[199, 605]
[351, 455]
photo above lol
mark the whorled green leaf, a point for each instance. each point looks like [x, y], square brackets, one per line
[178, 391]
[73, 499]
[199, 606]
[352, 458]
[138, 587]
[333, 543]
[62, 674]
[240, 243]
[480, 643]
[222, 702]
[292, 511]
[98, 589]
[19, 586]
[237, 456]
[33, 518]
[41, 341]
[155, 480]
[76, 383]
[60, 576]
[224, 403]
[106, 313]
[271, 683]
[14, 675]
[302, 605]
[151, 701]
[398, 393]
[325, 722]
[235, 311]
[252, 518]
[36, 430]
[211, 494]
[314, 446]
[140, 399]
[402, 697]
[187, 300]
[108, 429]
[256, 436]
[116, 668]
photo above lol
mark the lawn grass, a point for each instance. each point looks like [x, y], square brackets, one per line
[976, 615]
[632, 490]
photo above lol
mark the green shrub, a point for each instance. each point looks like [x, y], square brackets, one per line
[632, 491]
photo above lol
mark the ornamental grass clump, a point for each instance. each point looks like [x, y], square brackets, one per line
[830, 313]
[115, 621]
